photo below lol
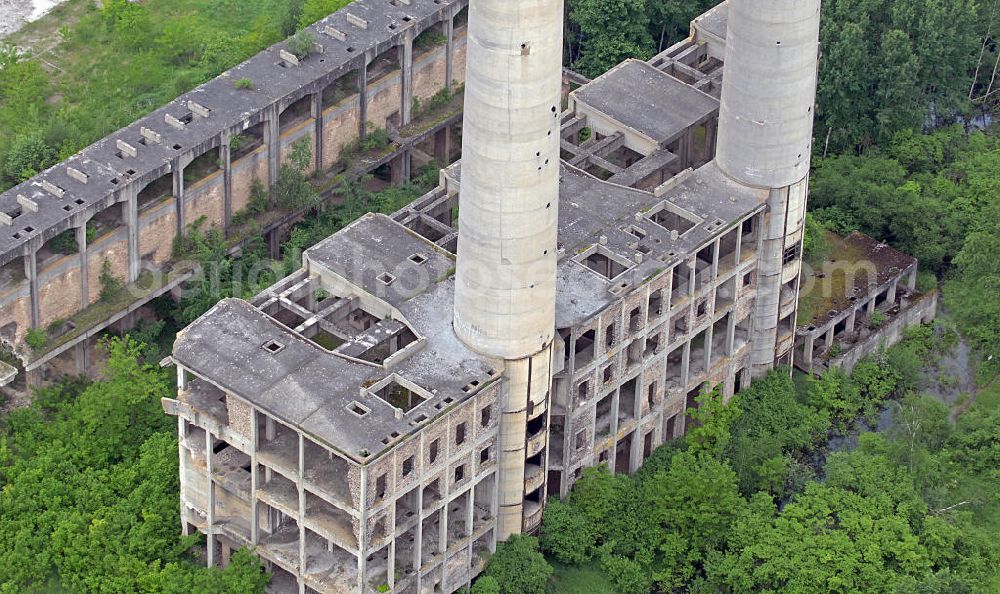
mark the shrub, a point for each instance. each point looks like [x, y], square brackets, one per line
[36, 338]
[243, 84]
[110, 285]
[302, 44]
[877, 319]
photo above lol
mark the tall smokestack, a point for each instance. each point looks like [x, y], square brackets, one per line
[765, 141]
[506, 270]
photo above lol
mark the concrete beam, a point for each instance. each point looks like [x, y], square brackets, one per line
[316, 108]
[226, 156]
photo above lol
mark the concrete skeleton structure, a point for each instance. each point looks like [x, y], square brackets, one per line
[838, 321]
[380, 419]
[125, 198]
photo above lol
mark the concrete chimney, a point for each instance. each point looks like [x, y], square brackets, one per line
[506, 270]
[765, 141]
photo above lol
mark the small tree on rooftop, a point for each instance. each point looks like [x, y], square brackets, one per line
[302, 43]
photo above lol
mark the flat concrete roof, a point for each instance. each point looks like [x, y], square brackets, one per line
[275, 82]
[590, 208]
[714, 21]
[310, 388]
[647, 100]
[845, 278]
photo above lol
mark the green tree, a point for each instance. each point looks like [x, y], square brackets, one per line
[566, 534]
[27, 156]
[607, 32]
[486, 585]
[924, 54]
[518, 567]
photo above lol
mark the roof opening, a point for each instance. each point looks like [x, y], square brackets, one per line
[358, 409]
[272, 346]
[400, 396]
[673, 218]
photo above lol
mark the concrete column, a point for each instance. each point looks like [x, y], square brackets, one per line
[31, 273]
[226, 156]
[179, 199]
[302, 511]
[709, 336]
[442, 146]
[731, 334]
[506, 273]
[131, 206]
[686, 366]
[400, 169]
[807, 355]
[210, 512]
[82, 251]
[890, 296]
[272, 138]
[851, 320]
[765, 135]
[317, 114]
[81, 357]
[406, 79]
[829, 337]
[449, 67]
[182, 435]
[911, 279]
[273, 244]
[711, 136]
[363, 541]
[363, 100]
[254, 478]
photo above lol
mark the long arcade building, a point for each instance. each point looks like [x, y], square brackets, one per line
[380, 419]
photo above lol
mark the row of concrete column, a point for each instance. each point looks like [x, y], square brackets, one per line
[272, 139]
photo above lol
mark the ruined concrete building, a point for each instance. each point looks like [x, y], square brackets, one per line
[380, 419]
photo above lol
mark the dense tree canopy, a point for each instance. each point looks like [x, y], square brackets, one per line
[889, 66]
[758, 512]
[88, 491]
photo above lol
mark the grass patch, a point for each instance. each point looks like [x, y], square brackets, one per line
[580, 580]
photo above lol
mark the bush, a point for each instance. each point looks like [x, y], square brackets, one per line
[243, 84]
[518, 567]
[876, 320]
[566, 534]
[36, 338]
[111, 287]
[302, 44]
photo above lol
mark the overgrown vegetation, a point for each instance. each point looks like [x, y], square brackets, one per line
[115, 64]
[88, 491]
[744, 503]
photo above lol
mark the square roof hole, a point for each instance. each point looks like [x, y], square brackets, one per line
[386, 279]
[673, 218]
[418, 259]
[399, 395]
[358, 408]
[177, 147]
[130, 172]
[272, 346]
[636, 231]
[79, 201]
[603, 262]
